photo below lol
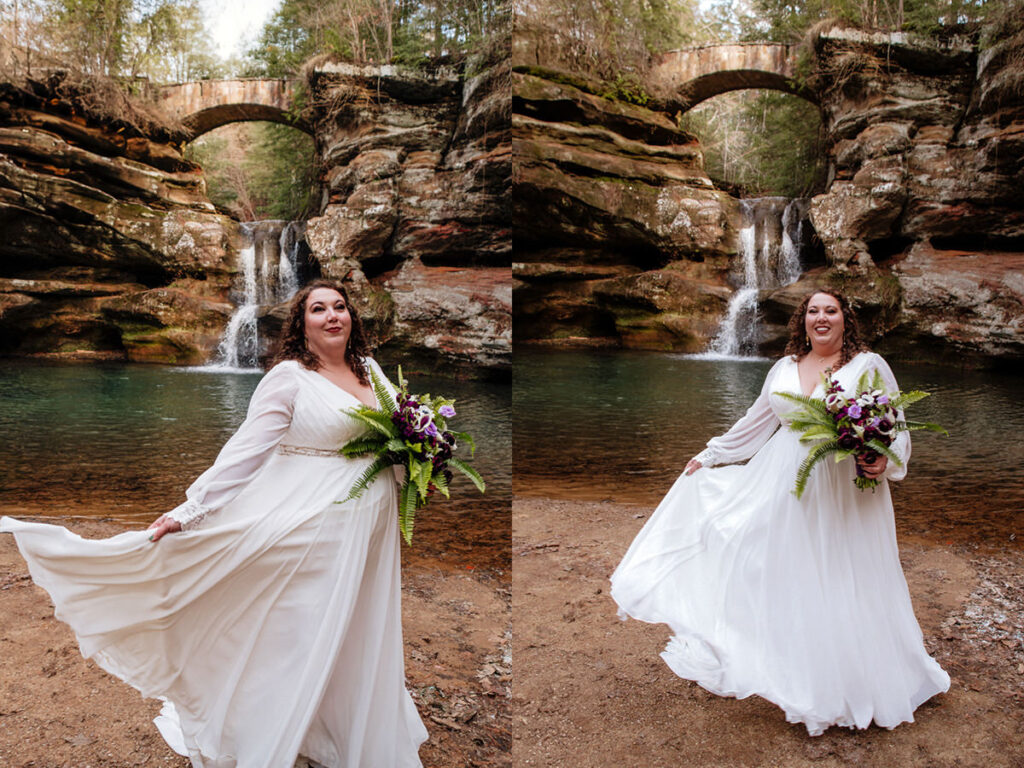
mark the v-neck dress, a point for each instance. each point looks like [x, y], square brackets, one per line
[271, 625]
[800, 601]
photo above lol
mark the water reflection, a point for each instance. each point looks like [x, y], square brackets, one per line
[125, 441]
[621, 425]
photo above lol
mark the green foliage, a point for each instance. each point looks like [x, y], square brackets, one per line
[385, 443]
[162, 40]
[258, 170]
[377, 466]
[628, 88]
[788, 20]
[817, 453]
[284, 43]
[408, 499]
[282, 172]
[764, 142]
[814, 421]
[469, 472]
[376, 32]
[612, 41]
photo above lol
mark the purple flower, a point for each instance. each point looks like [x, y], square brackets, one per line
[447, 411]
[882, 400]
[431, 429]
[854, 411]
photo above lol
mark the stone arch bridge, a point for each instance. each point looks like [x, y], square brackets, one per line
[699, 73]
[204, 105]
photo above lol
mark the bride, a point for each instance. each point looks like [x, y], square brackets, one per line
[264, 614]
[800, 601]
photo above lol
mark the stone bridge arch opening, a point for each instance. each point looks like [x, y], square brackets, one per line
[206, 105]
[258, 157]
[759, 125]
[703, 72]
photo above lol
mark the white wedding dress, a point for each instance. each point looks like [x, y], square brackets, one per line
[800, 601]
[272, 624]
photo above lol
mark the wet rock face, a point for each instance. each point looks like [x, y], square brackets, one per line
[417, 175]
[619, 233]
[100, 228]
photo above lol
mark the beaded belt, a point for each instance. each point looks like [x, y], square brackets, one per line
[303, 450]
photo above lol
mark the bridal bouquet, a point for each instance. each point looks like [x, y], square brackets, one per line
[411, 431]
[865, 424]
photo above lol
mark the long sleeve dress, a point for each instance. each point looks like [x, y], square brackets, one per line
[271, 625]
[800, 601]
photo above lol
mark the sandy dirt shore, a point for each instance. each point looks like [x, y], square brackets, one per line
[591, 690]
[58, 710]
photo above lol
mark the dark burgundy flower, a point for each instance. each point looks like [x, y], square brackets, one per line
[847, 440]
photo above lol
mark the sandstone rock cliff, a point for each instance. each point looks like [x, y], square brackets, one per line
[926, 144]
[110, 247]
[417, 169]
[619, 233]
[621, 238]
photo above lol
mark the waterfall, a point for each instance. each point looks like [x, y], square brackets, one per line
[289, 245]
[269, 272]
[771, 237]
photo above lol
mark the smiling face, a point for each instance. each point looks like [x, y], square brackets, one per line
[328, 324]
[824, 324]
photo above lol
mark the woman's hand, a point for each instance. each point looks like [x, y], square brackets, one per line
[162, 525]
[872, 465]
[692, 466]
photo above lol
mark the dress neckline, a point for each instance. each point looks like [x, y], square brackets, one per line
[799, 384]
[321, 377]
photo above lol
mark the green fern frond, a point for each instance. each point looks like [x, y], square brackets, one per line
[394, 444]
[367, 443]
[817, 432]
[908, 398]
[804, 400]
[799, 420]
[369, 475]
[375, 420]
[407, 499]
[928, 425]
[419, 473]
[882, 448]
[469, 472]
[384, 398]
[816, 454]
[441, 484]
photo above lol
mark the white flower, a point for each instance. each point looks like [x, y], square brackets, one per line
[422, 418]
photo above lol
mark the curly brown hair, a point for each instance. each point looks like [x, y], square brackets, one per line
[799, 343]
[291, 344]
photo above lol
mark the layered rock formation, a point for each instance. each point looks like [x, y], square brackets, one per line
[110, 247]
[620, 237]
[417, 172]
[924, 216]
[619, 233]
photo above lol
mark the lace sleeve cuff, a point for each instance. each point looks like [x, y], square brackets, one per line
[189, 514]
[707, 458]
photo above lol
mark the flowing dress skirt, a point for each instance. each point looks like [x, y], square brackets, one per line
[800, 601]
[274, 631]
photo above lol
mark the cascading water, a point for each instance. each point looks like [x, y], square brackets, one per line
[269, 267]
[770, 247]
